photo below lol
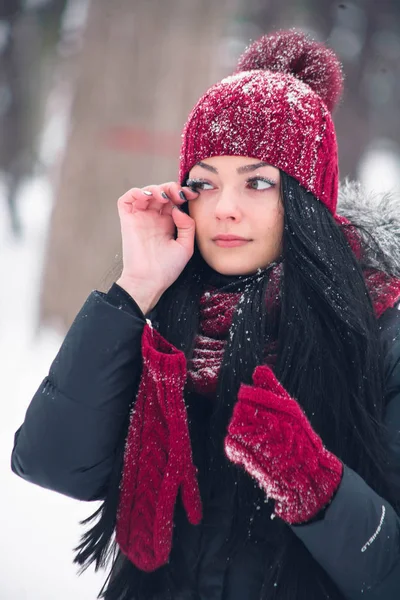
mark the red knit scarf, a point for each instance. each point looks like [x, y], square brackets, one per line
[216, 313]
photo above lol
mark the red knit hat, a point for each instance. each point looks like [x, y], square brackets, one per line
[277, 108]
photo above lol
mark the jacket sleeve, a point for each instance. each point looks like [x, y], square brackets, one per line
[73, 424]
[358, 540]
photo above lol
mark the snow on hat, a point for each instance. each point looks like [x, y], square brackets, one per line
[277, 108]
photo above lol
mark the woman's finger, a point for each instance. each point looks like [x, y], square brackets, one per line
[133, 198]
[178, 194]
[189, 193]
[185, 230]
[155, 197]
[155, 194]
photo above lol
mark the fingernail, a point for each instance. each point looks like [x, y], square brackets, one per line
[182, 195]
[147, 192]
[164, 195]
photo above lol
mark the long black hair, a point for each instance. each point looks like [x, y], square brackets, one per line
[328, 357]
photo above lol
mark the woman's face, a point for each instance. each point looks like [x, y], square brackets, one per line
[238, 213]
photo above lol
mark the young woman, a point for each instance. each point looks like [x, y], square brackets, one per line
[234, 399]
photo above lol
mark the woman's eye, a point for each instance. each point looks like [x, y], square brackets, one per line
[197, 184]
[259, 183]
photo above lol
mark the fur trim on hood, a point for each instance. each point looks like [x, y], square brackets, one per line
[377, 218]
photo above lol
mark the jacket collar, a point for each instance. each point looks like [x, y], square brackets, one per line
[377, 215]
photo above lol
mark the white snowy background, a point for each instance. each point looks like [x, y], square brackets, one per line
[39, 528]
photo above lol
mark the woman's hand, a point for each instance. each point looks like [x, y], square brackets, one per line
[152, 258]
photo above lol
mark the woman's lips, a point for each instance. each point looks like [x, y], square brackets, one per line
[229, 241]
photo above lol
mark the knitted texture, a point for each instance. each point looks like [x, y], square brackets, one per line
[274, 109]
[383, 288]
[293, 52]
[216, 313]
[158, 458]
[270, 436]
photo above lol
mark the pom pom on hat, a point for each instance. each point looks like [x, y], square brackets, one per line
[276, 108]
[296, 54]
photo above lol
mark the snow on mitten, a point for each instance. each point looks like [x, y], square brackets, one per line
[270, 436]
[158, 458]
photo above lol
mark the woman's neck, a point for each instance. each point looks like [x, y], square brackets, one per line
[232, 283]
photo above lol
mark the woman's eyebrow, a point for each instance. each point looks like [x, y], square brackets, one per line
[252, 167]
[208, 167]
[244, 169]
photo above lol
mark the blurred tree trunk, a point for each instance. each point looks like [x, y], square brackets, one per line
[142, 67]
[27, 40]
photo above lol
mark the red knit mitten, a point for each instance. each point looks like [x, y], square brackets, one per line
[158, 458]
[270, 436]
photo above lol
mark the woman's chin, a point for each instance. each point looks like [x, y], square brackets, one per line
[234, 267]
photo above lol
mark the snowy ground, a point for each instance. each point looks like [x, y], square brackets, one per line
[39, 528]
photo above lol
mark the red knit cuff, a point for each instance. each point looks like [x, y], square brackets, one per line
[166, 366]
[156, 350]
[314, 492]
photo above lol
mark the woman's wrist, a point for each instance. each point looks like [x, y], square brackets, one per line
[145, 299]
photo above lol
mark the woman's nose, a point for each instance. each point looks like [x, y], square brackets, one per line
[227, 206]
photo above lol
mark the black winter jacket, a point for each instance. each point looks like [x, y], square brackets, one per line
[79, 415]
[68, 440]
